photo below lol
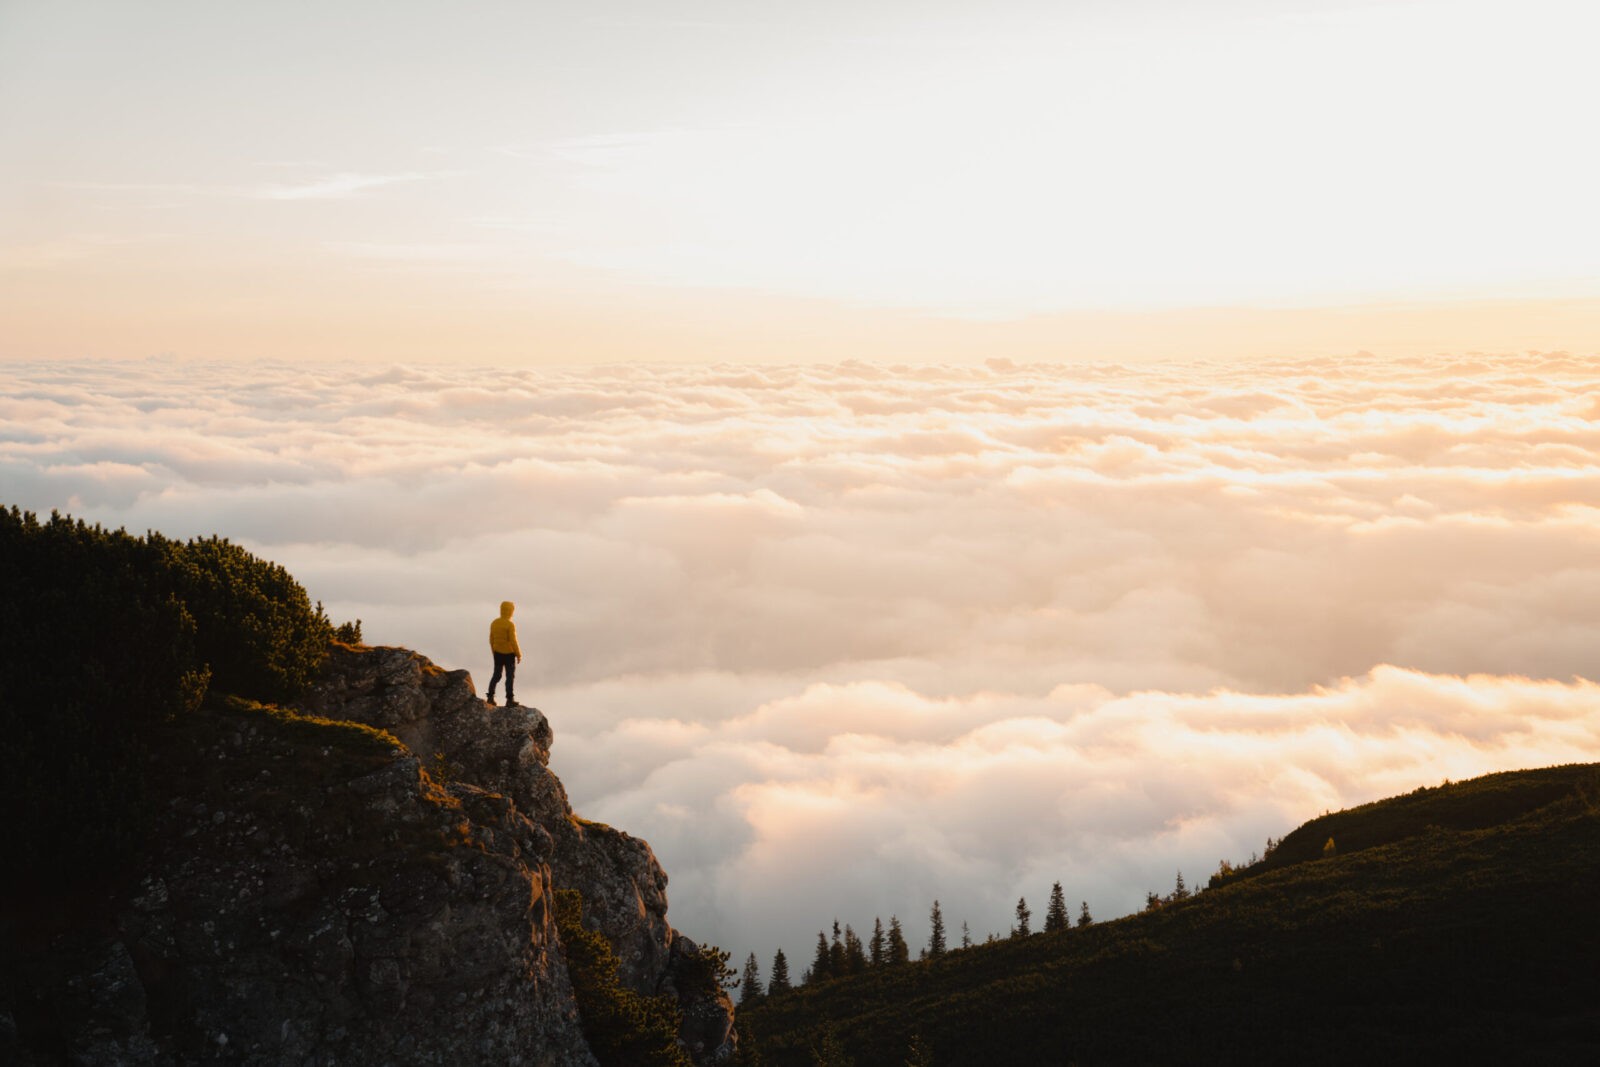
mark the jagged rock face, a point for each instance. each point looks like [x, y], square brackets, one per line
[309, 911]
[439, 716]
[316, 901]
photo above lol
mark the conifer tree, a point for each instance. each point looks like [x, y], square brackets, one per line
[1084, 918]
[829, 1051]
[899, 951]
[779, 982]
[1179, 890]
[836, 967]
[1023, 916]
[855, 957]
[936, 936]
[875, 947]
[822, 963]
[1055, 916]
[750, 984]
[746, 1053]
[966, 935]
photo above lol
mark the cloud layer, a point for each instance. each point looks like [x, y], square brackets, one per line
[841, 639]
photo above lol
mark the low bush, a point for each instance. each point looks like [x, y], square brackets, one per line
[623, 1029]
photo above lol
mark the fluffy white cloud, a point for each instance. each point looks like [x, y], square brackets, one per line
[841, 639]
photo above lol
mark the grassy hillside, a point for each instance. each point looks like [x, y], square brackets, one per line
[1462, 921]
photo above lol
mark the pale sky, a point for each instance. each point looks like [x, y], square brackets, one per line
[541, 183]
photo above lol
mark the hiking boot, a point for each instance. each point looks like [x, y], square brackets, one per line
[511, 702]
[489, 700]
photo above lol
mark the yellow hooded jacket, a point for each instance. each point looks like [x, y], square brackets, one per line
[503, 632]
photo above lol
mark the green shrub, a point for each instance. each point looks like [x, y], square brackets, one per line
[105, 637]
[705, 971]
[255, 626]
[623, 1029]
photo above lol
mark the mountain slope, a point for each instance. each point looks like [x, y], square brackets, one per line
[1460, 920]
[318, 890]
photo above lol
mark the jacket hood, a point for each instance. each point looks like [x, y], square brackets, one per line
[506, 608]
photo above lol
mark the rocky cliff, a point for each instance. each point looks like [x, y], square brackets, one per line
[320, 894]
[506, 751]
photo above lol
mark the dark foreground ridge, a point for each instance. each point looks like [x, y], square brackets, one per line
[371, 877]
[1457, 923]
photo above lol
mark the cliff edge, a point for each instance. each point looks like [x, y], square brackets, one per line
[366, 879]
[438, 715]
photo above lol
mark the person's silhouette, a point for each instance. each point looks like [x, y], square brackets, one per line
[507, 653]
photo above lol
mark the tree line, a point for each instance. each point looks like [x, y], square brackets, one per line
[847, 953]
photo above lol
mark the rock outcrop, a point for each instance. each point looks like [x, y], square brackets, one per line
[321, 895]
[506, 750]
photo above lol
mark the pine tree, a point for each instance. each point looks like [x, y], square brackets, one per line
[899, 951]
[876, 945]
[836, 966]
[745, 1053]
[829, 1051]
[966, 935]
[1179, 890]
[821, 963]
[1084, 918]
[855, 957]
[780, 975]
[1055, 916]
[936, 937]
[1023, 915]
[750, 984]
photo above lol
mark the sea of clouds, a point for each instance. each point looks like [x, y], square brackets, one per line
[841, 639]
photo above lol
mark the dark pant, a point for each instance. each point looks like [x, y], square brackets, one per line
[504, 661]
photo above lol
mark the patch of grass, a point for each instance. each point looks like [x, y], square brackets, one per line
[352, 738]
[590, 825]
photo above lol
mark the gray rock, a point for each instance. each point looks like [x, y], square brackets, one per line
[496, 761]
[328, 897]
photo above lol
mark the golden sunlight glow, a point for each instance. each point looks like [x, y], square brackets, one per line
[1219, 179]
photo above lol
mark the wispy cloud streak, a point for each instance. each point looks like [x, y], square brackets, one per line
[339, 186]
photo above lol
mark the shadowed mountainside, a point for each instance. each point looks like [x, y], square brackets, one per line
[1459, 921]
[315, 892]
[204, 877]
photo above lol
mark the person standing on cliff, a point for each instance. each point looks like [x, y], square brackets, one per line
[507, 653]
